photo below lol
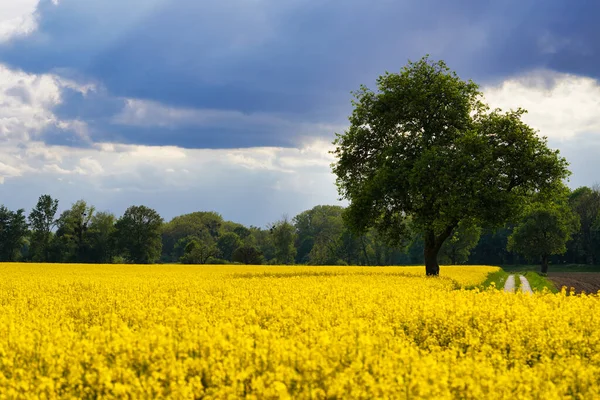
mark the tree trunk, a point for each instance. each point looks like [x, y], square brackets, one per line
[432, 268]
[364, 249]
[430, 253]
[544, 264]
[433, 244]
[589, 257]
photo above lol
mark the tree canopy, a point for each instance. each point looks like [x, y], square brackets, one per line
[204, 226]
[13, 230]
[139, 234]
[283, 237]
[42, 220]
[585, 202]
[426, 146]
[543, 232]
[71, 239]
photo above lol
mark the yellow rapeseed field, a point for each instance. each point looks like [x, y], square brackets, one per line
[122, 331]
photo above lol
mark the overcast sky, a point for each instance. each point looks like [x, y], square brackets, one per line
[231, 106]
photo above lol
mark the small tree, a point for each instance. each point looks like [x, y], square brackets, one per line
[101, 237]
[203, 225]
[543, 232]
[425, 146]
[283, 234]
[71, 242]
[139, 234]
[13, 231]
[197, 252]
[42, 220]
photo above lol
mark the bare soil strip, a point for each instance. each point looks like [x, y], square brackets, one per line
[525, 287]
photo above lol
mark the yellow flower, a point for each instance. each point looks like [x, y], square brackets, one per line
[184, 332]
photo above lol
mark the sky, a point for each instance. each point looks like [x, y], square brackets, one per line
[231, 106]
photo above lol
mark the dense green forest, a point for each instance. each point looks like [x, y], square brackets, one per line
[319, 236]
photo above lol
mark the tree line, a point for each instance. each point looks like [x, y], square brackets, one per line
[566, 230]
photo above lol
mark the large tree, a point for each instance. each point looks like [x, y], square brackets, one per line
[139, 234]
[425, 146]
[42, 220]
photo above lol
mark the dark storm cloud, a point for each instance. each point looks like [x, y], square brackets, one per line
[298, 58]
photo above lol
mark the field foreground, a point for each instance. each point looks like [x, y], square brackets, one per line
[90, 331]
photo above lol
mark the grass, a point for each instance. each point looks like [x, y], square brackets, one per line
[498, 279]
[539, 282]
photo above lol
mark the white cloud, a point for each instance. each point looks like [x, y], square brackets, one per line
[161, 162]
[144, 113]
[89, 166]
[109, 167]
[17, 17]
[149, 113]
[26, 103]
[8, 171]
[259, 159]
[53, 169]
[252, 185]
[559, 105]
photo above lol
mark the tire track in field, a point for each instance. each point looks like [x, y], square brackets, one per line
[525, 287]
[509, 286]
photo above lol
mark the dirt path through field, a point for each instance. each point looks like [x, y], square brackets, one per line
[509, 286]
[525, 286]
